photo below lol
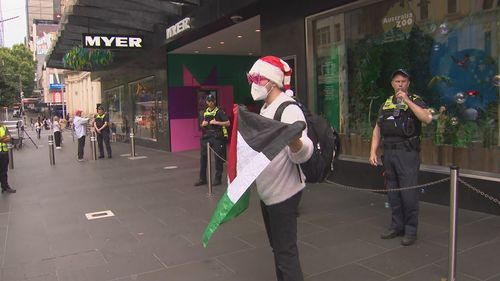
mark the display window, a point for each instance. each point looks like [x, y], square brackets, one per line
[452, 52]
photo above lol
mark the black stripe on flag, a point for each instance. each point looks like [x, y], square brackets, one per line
[266, 135]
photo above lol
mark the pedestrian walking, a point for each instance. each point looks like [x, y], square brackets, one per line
[38, 127]
[101, 126]
[56, 128]
[280, 185]
[80, 124]
[399, 124]
[4, 159]
[214, 123]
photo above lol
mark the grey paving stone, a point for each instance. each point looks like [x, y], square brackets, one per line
[431, 272]
[205, 269]
[4, 219]
[404, 259]
[80, 260]
[21, 271]
[472, 234]
[352, 272]
[480, 262]
[255, 263]
[186, 254]
[331, 257]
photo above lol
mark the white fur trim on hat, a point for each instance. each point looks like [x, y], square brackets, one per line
[274, 69]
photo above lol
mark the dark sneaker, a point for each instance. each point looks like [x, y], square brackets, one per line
[109, 156]
[408, 240]
[102, 156]
[8, 190]
[200, 182]
[391, 234]
[217, 182]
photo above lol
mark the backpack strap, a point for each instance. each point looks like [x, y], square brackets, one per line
[277, 117]
[281, 108]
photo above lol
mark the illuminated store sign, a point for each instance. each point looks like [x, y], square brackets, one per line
[179, 27]
[103, 41]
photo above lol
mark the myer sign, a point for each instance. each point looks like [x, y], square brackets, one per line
[179, 27]
[107, 41]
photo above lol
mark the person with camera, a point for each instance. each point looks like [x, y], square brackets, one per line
[214, 123]
[399, 124]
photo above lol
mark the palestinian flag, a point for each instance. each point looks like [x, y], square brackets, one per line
[255, 141]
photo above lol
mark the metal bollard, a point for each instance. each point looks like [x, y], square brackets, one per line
[11, 156]
[52, 157]
[209, 169]
[132, 143]
[93, 145]
[452, 248]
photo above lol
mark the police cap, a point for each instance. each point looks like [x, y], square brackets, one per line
[401, 72]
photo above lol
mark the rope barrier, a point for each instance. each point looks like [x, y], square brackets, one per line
[482, 193]
[224, 160]
[389, 189]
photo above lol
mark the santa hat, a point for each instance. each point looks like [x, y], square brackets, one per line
[274, 69]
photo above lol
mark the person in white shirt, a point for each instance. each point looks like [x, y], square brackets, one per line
[280, 185]
[80, 125]
[56, 128]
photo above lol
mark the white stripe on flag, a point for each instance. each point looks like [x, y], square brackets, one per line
[246, 174]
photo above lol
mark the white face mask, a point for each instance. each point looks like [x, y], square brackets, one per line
[259, 92]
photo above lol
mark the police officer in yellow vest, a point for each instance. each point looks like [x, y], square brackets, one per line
[101, 126]
[214, 123]
[4, 159]
[399, 124]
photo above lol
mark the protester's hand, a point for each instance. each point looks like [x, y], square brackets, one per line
[296, 144]
[204, 123]
[213, 122]
[373, 159]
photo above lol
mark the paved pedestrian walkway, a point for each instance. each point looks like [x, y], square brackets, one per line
[159, 217]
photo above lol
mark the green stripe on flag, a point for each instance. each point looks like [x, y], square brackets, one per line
[225, 211]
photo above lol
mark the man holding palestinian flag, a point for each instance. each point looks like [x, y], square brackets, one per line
[267, 152]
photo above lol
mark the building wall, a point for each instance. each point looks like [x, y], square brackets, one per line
[82, 93]
[190, 77]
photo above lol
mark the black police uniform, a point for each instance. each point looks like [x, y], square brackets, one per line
[401, 129]
[104, 135]
[217, 137]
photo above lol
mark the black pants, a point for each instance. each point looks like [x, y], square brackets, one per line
[103, 137]
[4, 167]
[219, 146]
[57, 138]
[38, 131]
[81, 147]
[401, 170]
[281, 226]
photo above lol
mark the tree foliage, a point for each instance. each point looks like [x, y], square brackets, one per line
[16, 62]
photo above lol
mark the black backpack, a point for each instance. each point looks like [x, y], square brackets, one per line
[325, 140]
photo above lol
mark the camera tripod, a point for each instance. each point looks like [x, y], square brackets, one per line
[32, 141]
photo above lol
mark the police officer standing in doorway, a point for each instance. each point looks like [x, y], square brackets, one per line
[399, 124]
[214, 123]
[4, 159]
[101, 126]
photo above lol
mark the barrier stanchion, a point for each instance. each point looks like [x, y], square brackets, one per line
[11, 156]
[93, 145]
[209, 168]
[52, 156]
[452, 248]
[132, 143]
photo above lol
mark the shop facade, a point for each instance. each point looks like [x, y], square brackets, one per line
[452, 51]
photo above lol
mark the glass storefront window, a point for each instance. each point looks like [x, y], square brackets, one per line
[145, 103]
[450, 48]
[116, 110]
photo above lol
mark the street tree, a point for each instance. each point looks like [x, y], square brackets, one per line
[17, 71]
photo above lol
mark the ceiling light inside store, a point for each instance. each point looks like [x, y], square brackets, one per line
[196, 52]
[257, 30]
[250, 54]
[221, 42]
[209, 47]
[240, 36]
